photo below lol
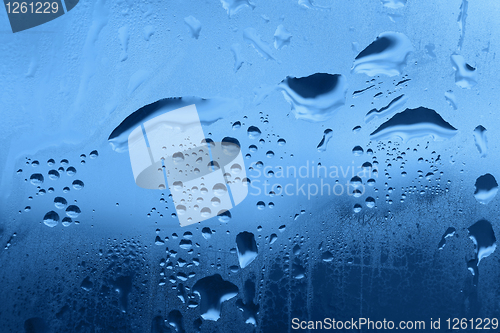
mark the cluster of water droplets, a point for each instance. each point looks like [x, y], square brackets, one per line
[53, 174]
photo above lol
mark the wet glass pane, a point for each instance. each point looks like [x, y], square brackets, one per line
[250, 166]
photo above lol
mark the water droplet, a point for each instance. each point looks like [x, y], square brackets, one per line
[486, 188]
[54, 174]
[247, 248]
[465, 75]
[71, 171]
[206, 233]
[213, 290]
[181, 209]
[219, 189]
[236, 125]
[253, 132]
[261, 205]
[73, 211]
[66, 221]
[51, 219]
[414, 123]
[178, 157]
[224, 216]
[93, 154]
[60, 202]
[370, 202]
[327, 135]
[484, 239]
[78, 185]
[315, 97]
[385, 56]
[205, 212]
[357, 151]
[236, 168]
[480, 140]
[394, 4]
[281, 142]
[36, 179]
